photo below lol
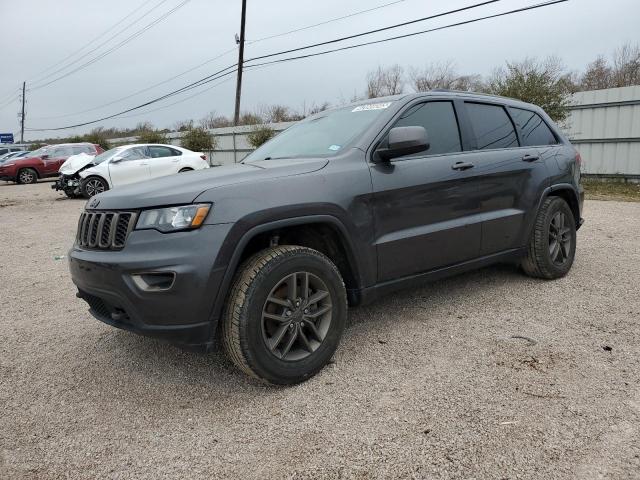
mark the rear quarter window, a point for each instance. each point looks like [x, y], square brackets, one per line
[533, 129]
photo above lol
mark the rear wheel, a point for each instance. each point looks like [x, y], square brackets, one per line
[27, 175]
[552, 246]
[92, 186]
[285, 314]
[186, 169]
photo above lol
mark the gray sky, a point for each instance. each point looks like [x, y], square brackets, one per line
[37, 34]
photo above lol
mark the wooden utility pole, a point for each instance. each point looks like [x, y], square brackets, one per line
[236, 116]
[22, 115]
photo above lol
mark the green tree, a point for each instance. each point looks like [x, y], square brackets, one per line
[259, 135]
[543, 83]
[198, 139]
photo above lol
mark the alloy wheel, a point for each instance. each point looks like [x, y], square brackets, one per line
[296, 316]
[94, 187]
[26, 176]
[559, 239]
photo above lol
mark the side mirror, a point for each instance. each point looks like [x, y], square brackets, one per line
[116, 160]
[404, 141]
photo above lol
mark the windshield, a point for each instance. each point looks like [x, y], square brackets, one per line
[41, 151]
[106, 155]
[324, 135]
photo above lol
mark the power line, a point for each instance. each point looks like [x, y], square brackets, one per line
[218, 57]
[117, 46]
[37, 75]
[369, 32]
[457, 24]
[140, 91]
[324, 22]
[220, 73]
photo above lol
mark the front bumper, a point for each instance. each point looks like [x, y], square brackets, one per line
[182, 313]
[67, 182]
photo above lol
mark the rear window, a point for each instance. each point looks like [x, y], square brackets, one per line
[533, 129]
[492, 126]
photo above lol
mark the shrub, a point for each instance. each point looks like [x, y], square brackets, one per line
[152, 136]
[198, 139]
[259, 135]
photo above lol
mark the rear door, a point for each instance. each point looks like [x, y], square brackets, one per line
[425, 204]
[163, 161]
[508, 176]
[133, 167]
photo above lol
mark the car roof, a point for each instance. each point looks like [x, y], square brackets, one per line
[443, 92]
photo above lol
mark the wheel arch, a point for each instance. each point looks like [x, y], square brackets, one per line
[332, 239]
[569, 194]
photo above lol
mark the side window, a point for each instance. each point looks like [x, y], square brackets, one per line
[158, 152]
[439, 120]
[82, 149]
[534, 131]
[492, 126]
[135, 153]
[61, 152]
[175, 153]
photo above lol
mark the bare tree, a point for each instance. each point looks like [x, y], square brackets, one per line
[183, 125]
[443, 75]
[385, 81]
[213, 120]
[623, 71]
[597, 76]
[626, 66]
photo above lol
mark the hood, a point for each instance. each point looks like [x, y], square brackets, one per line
[75, 163]
[184, 188]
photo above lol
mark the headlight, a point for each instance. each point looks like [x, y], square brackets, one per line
[171, 219]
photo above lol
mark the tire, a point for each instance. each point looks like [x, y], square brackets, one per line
[27, 176]
[91, 186]
[547, 257]
[186, 169]
[308, 335]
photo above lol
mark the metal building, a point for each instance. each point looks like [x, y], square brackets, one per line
[604, 125]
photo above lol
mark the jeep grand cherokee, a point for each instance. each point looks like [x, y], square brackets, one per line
[340, 208]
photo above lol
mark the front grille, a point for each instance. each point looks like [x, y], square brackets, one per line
[105, 230]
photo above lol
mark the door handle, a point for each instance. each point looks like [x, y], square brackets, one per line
[462, 165]
[143, 164]
[175, 160]
[530, 158]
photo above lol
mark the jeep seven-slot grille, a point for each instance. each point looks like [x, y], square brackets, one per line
[105, 230]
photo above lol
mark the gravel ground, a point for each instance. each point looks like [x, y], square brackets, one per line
[486, 375]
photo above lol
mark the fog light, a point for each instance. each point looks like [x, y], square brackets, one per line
[154, 281]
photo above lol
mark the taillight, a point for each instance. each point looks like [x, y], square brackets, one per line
[204, 157]
[578, 159]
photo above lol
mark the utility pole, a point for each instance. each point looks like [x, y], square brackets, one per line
[22, 115]
[236, 116]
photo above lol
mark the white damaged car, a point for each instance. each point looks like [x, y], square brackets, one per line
[86, 175]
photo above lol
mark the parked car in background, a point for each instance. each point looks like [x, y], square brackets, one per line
[9, 149]
[44, 162]
[342, 207]
[85, 175]
[7, 156]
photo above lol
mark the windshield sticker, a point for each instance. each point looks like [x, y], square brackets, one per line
[371, 106]
[334, 147]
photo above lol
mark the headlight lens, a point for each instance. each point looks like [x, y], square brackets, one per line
[171, 219]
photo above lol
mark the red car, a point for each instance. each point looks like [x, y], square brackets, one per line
[44, 162]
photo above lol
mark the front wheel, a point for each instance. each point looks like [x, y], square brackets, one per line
[92, 186]
[27, 176]
[552, 246]
[285, 314]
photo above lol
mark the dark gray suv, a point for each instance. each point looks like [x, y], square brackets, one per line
[337, 210]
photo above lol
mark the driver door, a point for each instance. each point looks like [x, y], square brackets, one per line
[132, 167]
[425, 206]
